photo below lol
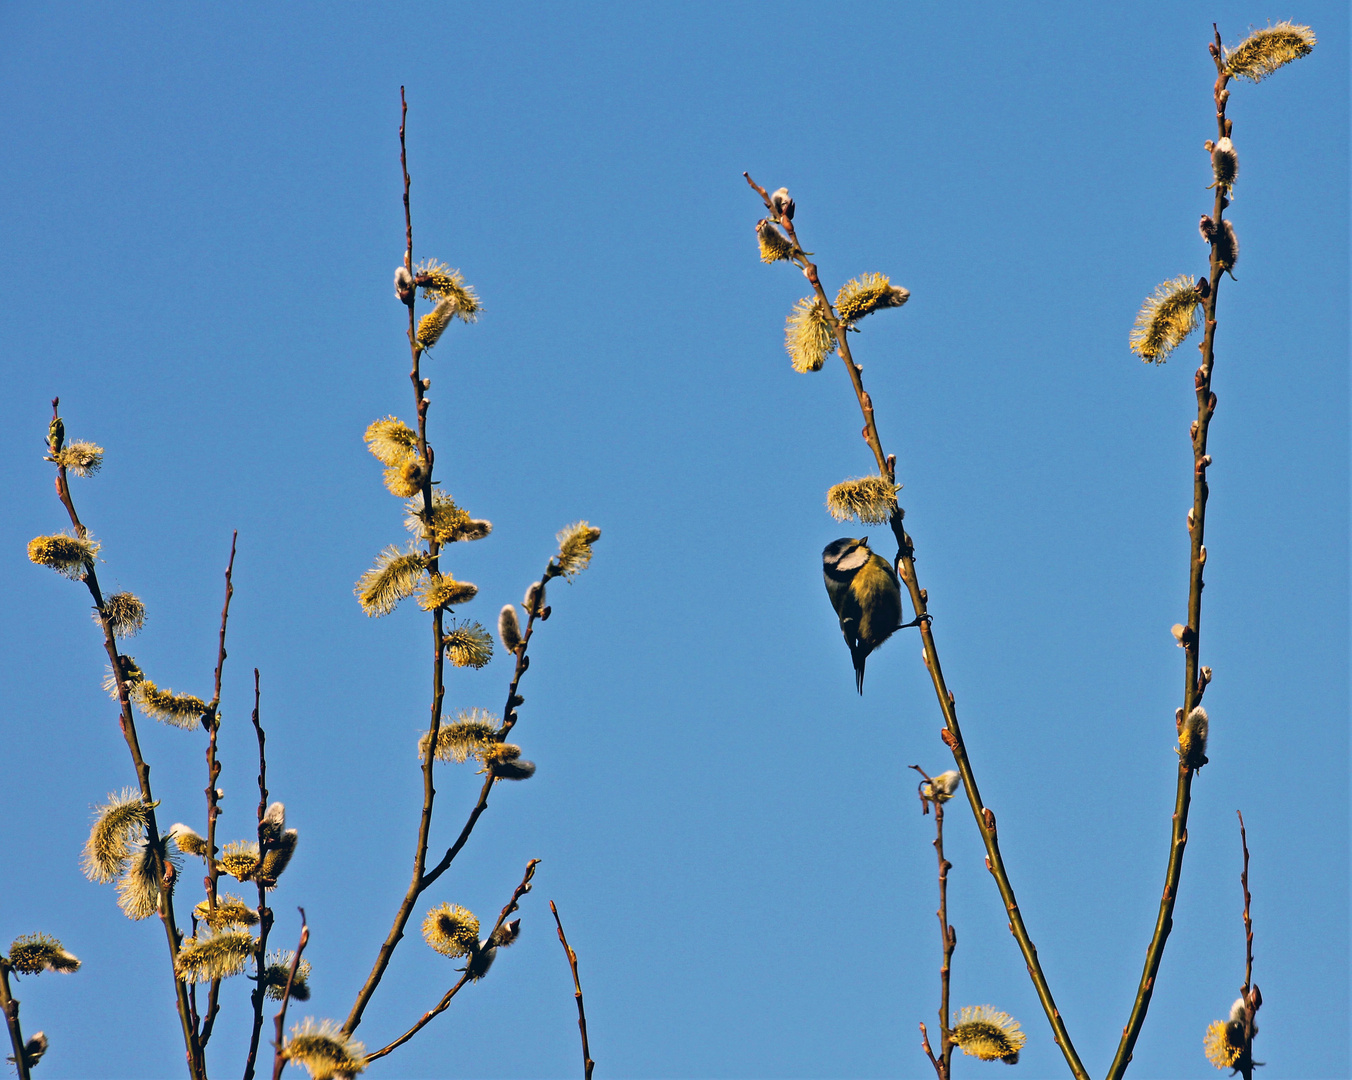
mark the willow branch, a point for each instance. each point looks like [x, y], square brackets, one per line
[1194, 683]
[442, 1005]
[948, 937]
[278, 1060]
[264, 912]
[1249, 993]
[587, 1063]
[163, 868]
[212, 721]
[952, 734]
[509, 719]
[415, 885]
[9, 1004]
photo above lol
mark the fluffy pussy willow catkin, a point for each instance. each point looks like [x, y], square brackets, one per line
[125, 613]
[394, 577]
[808, 338]
[1223, 1043]
[71, 556]
[406, 480]
[774, 245]
[80, 458]
[467, 734]
[118, 824]
[1224, 164]
[187, 841]
[239, 859]
[870, 499]
[277, 970]
[276, 859]
[214, 956]
[865, 294]
[451, 930]
[230, 913]
[391, 441]
[32, 954]
[178, 710]
[1266, 50]
[324, 1051]
[469, 645]
[443, 591]
[988, 1034]
[138, 889]
[440, 282]
[1192, 736]
[432, 325]
[575, 547]
[1167, 317]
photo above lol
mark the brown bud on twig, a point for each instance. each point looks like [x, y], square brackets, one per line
[1203, 287]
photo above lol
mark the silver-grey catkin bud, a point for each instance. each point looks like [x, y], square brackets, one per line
[1227, 247]
[517, 769]
[33, 1049]
[535, 598]
[782, 203]
[403, 285]
[274, 822]
[1225, 164]
[509, 630]
[1207, 228]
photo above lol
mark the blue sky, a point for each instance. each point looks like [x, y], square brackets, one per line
[202, 220]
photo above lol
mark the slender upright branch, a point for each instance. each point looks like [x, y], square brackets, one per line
[264, 912]
[212, 721]
[164, 870]
[952, 734]
[948, 937]
[1249, 992]
[1194, 678]
[415, 885]
[278, 1061]
[442, 1005]
[587, 1063]
[9, 1004]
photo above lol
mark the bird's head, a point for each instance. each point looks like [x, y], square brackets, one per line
[846, 555]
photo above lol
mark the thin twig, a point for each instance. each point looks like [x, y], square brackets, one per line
[212, 721]
[9, 1004]
[587, 1063]
[163, 868]
[1249, 993]
[948, 937]
[264, 912]
[278, 1061]
[415, 885]
[1193, 683]
[442, 1005]
[952, 734]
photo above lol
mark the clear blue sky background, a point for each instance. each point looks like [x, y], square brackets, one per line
[201, 221]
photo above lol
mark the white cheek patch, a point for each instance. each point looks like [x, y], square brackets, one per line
[855, 559]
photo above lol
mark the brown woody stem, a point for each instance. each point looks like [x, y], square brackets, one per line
[952, 735]
[264, 912]
[1193, 686]
[9, 1004]
[587, 1063]
[163, 868]
[445, 1001]
[278, 1061]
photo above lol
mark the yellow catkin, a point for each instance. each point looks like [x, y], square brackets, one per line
[33, 954]
[324, 1051]
[71, 556]
[986, 1033]
[1167, 317]
[469, 645]
[451, 930]
[394, 577]
[808, 338]
[774, 245]
[1266, 50]
[866, 294]
[869, 499]
[575, 547]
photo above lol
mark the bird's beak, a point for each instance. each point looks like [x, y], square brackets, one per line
[863, 541]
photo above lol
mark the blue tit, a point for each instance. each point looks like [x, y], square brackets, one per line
[866, 594]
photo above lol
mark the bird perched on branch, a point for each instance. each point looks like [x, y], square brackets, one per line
[866, 594]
